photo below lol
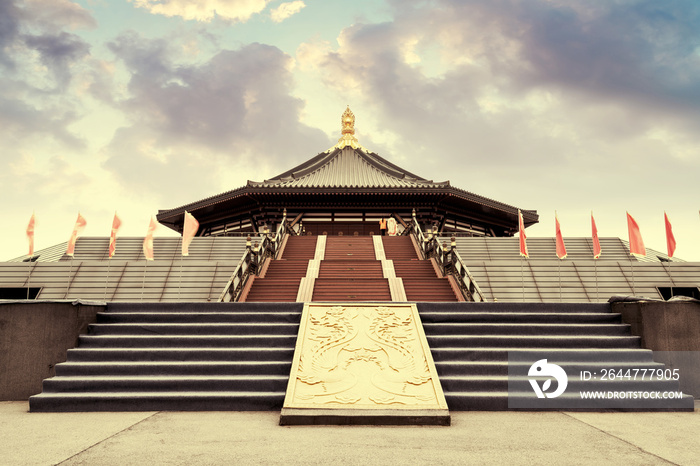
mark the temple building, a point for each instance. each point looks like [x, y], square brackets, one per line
[218, 329]
[346, 191]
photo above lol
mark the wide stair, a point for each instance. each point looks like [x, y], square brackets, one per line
[470, 344]
[420, 280]
[350, 272]
[177, 357]
[280, 283]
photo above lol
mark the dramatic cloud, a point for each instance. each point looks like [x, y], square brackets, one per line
[55, 15]
[37, 60]
[552, 74]
[199, 122]
[524, 100]
[58, 52]
[285, 10]
[204, 10]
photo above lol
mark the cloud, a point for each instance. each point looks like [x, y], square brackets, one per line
[55, 15]
[195, 123]
[204, 10]
[38, 59]
[555, 74]
[285, 10]
[58, 52]
[537, 104]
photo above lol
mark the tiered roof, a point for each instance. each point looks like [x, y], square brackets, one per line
[349, 168]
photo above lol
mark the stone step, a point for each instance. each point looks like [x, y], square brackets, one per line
[207, 308]
[496, 368]
[520, 317]
[532, 341]
[157, 401]
[498, 401]
[186, 341]
[244, 353]
[161, 383]
[194, 329]
[151, 368]
[568, 308]
[481, 383]
[196, 317]
[526, 329]
[579, 355]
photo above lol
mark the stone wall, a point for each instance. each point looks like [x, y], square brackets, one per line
[34, 337]
[672, 331]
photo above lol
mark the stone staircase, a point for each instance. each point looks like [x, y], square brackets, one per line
[420, 279]
[350, 272]
[281, 280]
[470, 344]
[280, 283]
[183, 357]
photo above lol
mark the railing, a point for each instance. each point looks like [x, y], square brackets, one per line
[252, 261]
[449, 261]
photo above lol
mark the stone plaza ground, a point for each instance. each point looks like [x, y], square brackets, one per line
[136, 438]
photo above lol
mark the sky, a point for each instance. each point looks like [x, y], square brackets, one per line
[132, 106]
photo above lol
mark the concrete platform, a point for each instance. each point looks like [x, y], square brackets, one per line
[136, 438]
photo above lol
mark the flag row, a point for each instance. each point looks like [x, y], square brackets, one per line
[191, 225]
[636, 243]
[189, 231]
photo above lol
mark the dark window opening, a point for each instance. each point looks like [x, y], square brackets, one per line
[19, 293]
[690, 291]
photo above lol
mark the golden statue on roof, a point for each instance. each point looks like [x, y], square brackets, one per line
[347, 121]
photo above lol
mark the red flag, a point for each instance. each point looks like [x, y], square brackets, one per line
[670, 239]
[80, 224]
[30, 235]
[521, 231]
[596, 241]
[116, 223]
[188, 231]
[561, 248]
[148, 240]
[636, 243]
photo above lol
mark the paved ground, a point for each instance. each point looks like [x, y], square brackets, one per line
[255, 438]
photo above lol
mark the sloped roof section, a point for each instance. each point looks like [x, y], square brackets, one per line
[89, 248]
[508, 249]
[348, 168]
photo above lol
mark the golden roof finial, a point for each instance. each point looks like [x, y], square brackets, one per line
[348, 121]
[348, 129]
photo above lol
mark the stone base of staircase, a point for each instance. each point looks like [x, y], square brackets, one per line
[383, 417]
[237, 356]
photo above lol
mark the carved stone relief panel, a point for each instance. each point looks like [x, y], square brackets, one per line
[363, 356]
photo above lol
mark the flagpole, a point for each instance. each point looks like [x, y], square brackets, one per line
[560, 299]
[29, 275]
[179, 281]
[109, 261]
[634, 293]
[595, 270]
[522, 275]
[671, 248]
[70, 270]
[30, 238]
[143, 286]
